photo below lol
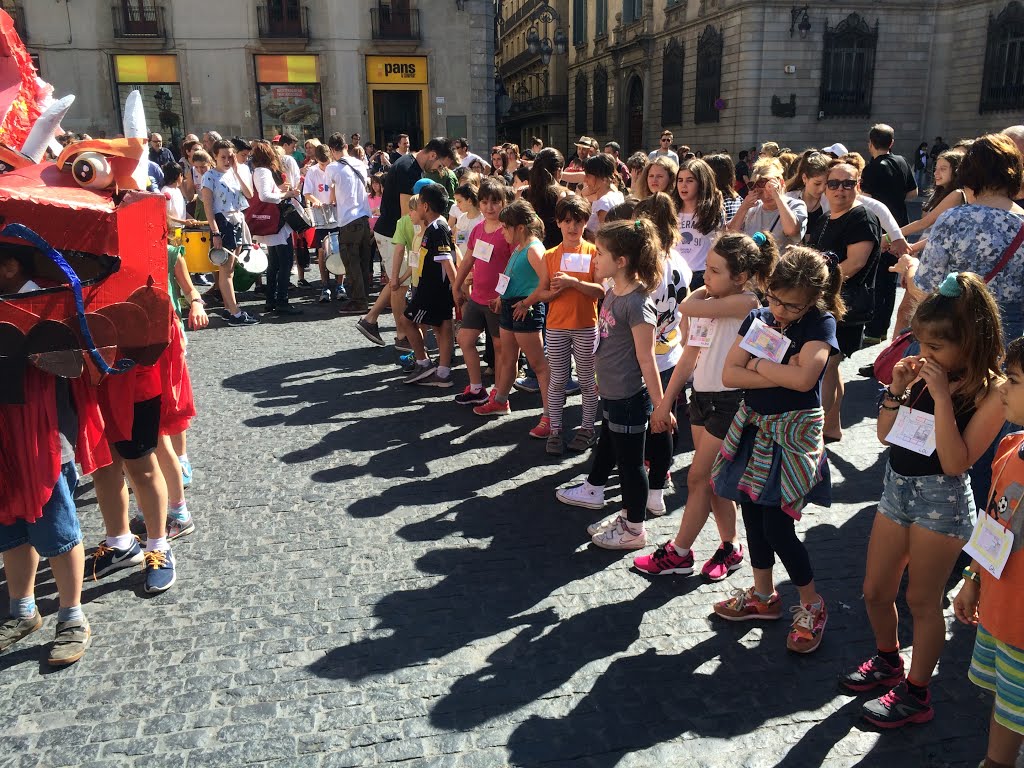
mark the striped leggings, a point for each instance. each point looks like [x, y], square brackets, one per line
[561, 346]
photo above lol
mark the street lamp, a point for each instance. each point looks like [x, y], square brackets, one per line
[805, 22]
[545, 46]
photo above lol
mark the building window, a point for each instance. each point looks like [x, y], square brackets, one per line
[1002, 84]
[600, 100]
[579, 22]
[601, 18]
[581, 104]
[632, 10]
[672, 84]
[848, 68]
[709, 75]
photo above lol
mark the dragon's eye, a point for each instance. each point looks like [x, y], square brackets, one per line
[92, 171]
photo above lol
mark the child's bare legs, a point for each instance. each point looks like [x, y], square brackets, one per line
[403, 327]
[1003, 746]
[20, 566]
[150, 494]
[170, 467]
[180, 444]
[225, 272]
[888, 554]
[321, 263]
[383, 300]
[533, 345]
[443, 333]
[700, 499]
[415, 337]
[68, 571]
[832, 390]
[467, 338]
[505, 368]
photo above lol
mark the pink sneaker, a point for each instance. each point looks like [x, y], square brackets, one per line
[664, 561]
[725, 560]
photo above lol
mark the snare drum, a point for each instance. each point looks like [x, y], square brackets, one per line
[197, 243]
[253, 259]
[332, 254]
[322, 216]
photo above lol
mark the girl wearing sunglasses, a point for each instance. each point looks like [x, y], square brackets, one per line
[766, 208]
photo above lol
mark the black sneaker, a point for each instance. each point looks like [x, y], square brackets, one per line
[371, 331]
[876, 672]
[287, 309]
[244, 318]
[105, 560]
[469, 397]
[897, 708]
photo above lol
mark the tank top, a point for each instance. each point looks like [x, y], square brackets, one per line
[707, 376]
[911, 464]
[522, 277]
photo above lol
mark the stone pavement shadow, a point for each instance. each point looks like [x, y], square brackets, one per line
[728, 685]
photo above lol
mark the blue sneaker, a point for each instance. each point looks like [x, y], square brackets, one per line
[106, 559]
[186, 470]
[572, 387]
[527, 384]
[159, 571]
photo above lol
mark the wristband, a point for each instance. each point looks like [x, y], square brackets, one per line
[197, 301]
[757, 363]
[972, 575]
[885, 407]
[897, 398]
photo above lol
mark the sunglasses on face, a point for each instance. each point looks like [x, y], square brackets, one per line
[847, 184]
[794, 308]
[665, 141]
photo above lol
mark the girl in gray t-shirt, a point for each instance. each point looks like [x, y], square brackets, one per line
[628, 254]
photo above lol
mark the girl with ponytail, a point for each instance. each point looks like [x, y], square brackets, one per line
[772, 461]
[628, 254]
[927, 512]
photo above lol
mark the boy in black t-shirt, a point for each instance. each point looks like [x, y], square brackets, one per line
[432, 303]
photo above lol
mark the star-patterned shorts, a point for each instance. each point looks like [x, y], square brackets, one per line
[940, 503]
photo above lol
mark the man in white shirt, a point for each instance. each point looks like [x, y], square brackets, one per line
[465, 157]
[665, 148]
[348, 176]
[291, 168]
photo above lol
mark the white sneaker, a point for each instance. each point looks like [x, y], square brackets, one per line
[582, 495]
[601, 525]
[656, 503]
[325, 296]
[618, 536]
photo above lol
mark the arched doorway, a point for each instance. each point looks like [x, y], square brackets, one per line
[635, 113]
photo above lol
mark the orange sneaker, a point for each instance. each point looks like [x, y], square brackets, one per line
[808, 627]
[745, 605]
[543, 428]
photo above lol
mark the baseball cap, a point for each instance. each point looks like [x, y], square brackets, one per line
[419, 185]
[277, 139]
[836, 149]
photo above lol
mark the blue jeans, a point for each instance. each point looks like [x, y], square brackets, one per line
[57, 531]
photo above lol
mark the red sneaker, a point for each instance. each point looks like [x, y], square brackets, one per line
[493, 408]
[543, 428]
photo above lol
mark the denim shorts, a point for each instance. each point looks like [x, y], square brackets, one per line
[940, 503]
[629, 415]
[57, 531]
[532, 323]
[230, 232]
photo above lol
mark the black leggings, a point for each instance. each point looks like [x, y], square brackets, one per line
[771, 531]
[659, 448]
[626, 451]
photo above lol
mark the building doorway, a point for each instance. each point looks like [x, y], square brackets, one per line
[635, 114]
[396, 112]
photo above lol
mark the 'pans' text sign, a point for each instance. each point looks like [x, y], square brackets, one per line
[396, 70]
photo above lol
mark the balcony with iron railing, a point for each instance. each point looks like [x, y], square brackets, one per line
[538, 105]
[138, 20]
[523, 13]
[518, 62]
[386, 23]
[283, 21]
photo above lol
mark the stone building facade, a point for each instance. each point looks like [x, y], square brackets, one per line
[259, 67]
[733, 73]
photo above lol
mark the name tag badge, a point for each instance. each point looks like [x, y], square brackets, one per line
[575, 262]
[460, 239]
[913, 430]
[765, 342]
[482, 251]
[701, 329]
[502, 285]
[414, 257]
[990, 545]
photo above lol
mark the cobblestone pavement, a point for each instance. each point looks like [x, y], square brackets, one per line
[379, 576]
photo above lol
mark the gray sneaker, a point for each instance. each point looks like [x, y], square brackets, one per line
[370, 330]
[12, 630]
[69, 642]
[554, 445]
[436, 380]
[419, 372]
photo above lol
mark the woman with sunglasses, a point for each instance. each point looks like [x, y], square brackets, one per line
[854, 234]
[767, 209]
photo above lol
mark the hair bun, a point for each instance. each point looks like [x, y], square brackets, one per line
[760, 238]
[950, 287]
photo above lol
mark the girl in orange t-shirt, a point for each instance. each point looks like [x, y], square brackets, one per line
[571, 322]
